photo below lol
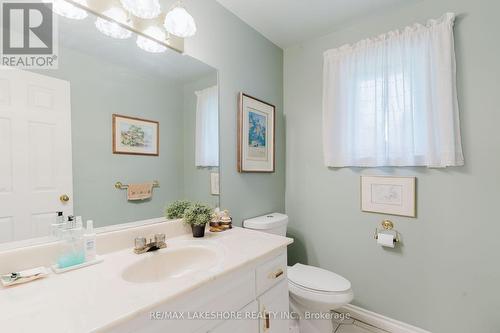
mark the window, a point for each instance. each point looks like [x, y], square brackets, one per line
[207, 127]
[391, 100]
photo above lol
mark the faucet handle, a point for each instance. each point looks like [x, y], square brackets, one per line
[160, 238]
[140, 243]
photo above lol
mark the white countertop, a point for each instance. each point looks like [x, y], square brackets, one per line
[97, 297]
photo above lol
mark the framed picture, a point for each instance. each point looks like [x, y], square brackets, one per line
[135, 136]
[256, 138]
[388, 195]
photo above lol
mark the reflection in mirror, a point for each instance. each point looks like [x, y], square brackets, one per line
[112, 112]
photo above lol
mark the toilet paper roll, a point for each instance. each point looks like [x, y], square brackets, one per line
[385, 239]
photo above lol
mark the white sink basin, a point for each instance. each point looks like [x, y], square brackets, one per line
[177, 260]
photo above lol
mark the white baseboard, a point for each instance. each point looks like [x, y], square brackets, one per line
[379, 321]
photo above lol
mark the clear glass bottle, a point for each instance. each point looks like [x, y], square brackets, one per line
[58, 225]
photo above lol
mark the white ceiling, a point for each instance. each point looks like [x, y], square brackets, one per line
[288, 22]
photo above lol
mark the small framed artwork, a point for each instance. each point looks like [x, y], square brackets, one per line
[388, 195]
[256, 137]
[214, 183]
[135, 136]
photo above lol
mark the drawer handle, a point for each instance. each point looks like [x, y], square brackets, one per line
[276, 274]
[267, 321]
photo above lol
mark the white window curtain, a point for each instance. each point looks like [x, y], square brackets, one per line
[207, 127]
[392, 100]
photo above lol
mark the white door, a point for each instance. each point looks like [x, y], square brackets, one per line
[274, 305]
[35, 153]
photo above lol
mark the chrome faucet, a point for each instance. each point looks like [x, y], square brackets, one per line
[142, 246]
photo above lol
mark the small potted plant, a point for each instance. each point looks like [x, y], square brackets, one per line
[176, 209]
[197, 216]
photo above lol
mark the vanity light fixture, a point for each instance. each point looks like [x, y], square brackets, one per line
[179, 22]
[68, 10]
[113, 29]
[150, 45]
[146, 9]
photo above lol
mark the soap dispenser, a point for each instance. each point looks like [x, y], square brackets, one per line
[72, 248]
[59, 225]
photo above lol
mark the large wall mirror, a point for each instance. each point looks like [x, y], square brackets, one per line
[72, 139]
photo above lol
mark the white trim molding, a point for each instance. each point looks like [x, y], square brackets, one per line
[380, 321]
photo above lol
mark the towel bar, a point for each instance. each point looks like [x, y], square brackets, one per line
[121, 186]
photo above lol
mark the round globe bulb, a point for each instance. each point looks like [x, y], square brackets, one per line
[146, 9]
[112, 29]
[180, 23]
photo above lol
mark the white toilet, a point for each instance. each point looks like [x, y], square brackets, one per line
[314, 291]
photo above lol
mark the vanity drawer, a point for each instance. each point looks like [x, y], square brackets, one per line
[270, 273]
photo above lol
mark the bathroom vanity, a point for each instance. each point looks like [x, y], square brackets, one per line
[225, 282]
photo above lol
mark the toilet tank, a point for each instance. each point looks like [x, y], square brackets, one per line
[274, 223]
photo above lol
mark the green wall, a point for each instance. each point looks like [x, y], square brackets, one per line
[99, 89]
[246, 62]
[445, 278]
[196, 179]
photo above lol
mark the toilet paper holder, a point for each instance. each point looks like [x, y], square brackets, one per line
[387, 228]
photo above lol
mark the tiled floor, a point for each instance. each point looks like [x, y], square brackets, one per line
[358, 327]
[346, 326]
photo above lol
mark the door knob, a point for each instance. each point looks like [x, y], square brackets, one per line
[64, 198]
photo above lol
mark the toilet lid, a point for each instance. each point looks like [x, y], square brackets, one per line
[317, 278]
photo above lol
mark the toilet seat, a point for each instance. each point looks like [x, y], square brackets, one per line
[303, 289]
[318, 300]
[318, 289]
[317, 279]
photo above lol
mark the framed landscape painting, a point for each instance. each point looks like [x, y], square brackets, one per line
[135, 136]
[256, 138]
